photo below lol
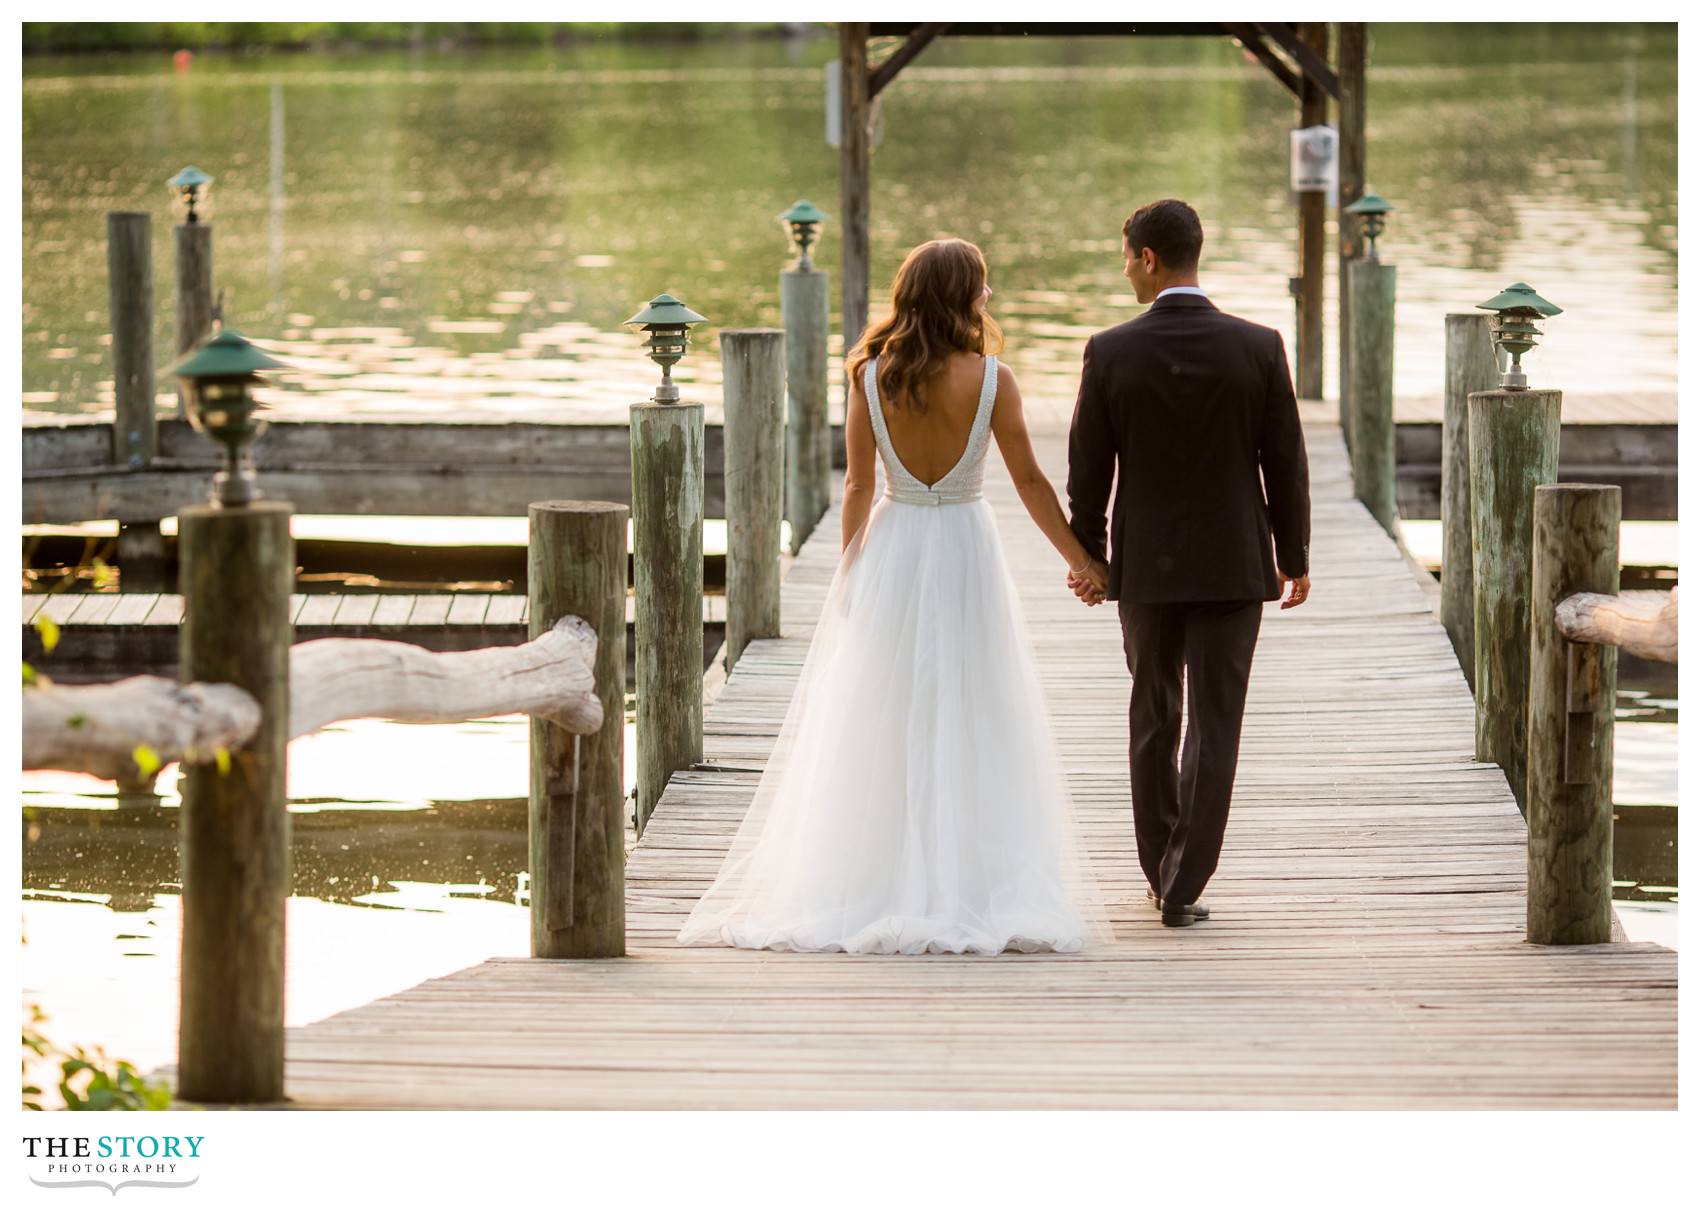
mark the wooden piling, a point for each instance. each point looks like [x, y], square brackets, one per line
[194, 247]
[1470, 367]
[753, 371]
[1572, 693]
[667, 481]
[853, 175]
[576, 565]
[135, 429]
[803, 298]
[1351, 54]
[1513, 450]
[238, 568]
[1313, 211]
[1371, 286]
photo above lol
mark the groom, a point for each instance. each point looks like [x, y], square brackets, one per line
[1191, 412]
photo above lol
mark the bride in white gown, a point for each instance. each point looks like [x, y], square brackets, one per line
[914, 801]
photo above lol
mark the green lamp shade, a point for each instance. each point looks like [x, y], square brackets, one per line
[665, 310]
[226, 355]
[189, 178]
[1371, 204]
[804, 211]
[1521, 297]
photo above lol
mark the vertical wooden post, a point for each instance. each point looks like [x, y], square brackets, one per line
[576, 565]
[1313, 208]
[194, 248]
[1470, 368]
[135, 427]
[238, 567]
[753, 370]
[1371, 286]
[1352, 54]
[1572, 693]
[854, 186]
[1513, 449]
[808, 428]
[667, 467]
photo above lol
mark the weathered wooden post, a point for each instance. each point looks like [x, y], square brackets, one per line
[1470, 367]
[667, 502]
[135, 429]
[1371, 286]
[1513, 449]
[855, 187]
[803, 300]
[1351, 57]
[753, 372]
[1313, 212]
[237, 571]
[1572, 695]
[190, 189]
[576, 565]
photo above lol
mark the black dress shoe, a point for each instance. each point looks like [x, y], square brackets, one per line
[1184, 915]
[1199, 910]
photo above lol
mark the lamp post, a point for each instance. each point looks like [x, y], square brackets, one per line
[803, 221]
[191, 191]
[667, 508]
[237, 569]
[1516, 309]
[804, 306]
[1514, 434]
[1368, 391]
[1374, 209]
[220, 376]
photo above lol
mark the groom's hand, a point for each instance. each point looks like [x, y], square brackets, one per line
[1092, 585]
[1297, 589]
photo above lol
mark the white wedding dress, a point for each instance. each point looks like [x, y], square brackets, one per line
[914, 801]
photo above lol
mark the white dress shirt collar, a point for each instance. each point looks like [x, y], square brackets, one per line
[1182, 290]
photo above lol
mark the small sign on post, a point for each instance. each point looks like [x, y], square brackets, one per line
[834, 103]
[1314, 164]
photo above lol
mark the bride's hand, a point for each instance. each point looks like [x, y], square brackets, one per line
[1091, 584]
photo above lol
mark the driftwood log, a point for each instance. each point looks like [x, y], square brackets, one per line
[1639, 622]
[96, 729]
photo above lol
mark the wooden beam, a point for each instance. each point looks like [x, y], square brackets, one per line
[854, 184]
[1313, 216]
[1313, 65]
[904, 55]
[1066, 29]
[1252, 41]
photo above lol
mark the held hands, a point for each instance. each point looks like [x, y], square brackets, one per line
[1091, 583]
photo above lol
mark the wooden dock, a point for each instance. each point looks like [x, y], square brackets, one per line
[1366, 948]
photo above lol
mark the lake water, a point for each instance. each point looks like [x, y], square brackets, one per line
[463, 234]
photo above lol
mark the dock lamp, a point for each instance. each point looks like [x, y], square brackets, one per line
[803, 221]
[221, 373]
[668, 323]
[1374, 209]
[189, 194]
[1516, 309]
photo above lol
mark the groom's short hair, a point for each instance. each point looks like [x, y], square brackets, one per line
[1169, 228]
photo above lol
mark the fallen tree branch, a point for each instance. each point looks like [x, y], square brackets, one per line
[96, 729]
[1639, 622]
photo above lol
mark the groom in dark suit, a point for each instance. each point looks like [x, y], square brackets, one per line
[1190, 412]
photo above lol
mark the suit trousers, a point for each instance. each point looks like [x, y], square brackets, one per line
[1180, 814]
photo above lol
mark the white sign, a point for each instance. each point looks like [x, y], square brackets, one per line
[1315, 162]
[834, 102]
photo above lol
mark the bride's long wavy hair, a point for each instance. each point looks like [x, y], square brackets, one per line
[935, 311]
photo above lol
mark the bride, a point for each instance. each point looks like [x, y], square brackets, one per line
[914, 801]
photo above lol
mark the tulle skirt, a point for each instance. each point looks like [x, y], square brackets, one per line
[914, 801]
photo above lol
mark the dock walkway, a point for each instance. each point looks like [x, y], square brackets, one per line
[1366, 948]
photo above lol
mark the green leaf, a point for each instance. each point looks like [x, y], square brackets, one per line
[147, 761]
[76, 721]
[29, 674]
[49, 632]
[222, 756]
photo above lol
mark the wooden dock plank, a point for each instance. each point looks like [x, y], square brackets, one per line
[1365, 949]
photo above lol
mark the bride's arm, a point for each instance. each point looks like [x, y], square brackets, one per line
[1009, 427]
[859, 464]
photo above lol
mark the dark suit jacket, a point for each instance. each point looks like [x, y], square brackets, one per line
[1191, 411]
